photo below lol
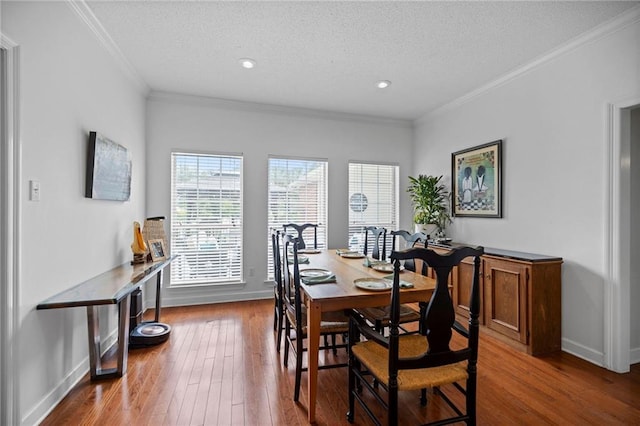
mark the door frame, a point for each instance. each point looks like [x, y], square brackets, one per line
[10, 154]
[617, 288]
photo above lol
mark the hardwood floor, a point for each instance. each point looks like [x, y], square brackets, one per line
[220, 367]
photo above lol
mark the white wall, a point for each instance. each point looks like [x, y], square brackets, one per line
[553, 123]
[206, 125]
[69, 86]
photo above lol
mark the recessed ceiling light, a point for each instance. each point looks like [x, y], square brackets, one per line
[383, 84]
[247, 63]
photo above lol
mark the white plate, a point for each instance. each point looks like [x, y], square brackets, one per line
[314, 273]
[373, 284]
[301, 259]
[352, 255]
[384, 267]
[309, 251]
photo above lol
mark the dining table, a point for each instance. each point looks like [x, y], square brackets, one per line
[349, 268]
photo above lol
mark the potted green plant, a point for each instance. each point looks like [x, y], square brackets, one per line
[430, 201]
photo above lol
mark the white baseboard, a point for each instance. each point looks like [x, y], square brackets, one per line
[592, 356]
[634, 356]
[41, 410]
[208, 298]
[588, 354]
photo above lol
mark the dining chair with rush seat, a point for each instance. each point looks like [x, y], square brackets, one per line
[406, 362]
[300, 229]
[332, 323]
[379, 233]
[380, 315]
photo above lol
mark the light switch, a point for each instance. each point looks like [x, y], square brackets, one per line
[34, 190]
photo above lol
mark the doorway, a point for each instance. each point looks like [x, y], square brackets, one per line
[9, 228]
[622, 237]
[634, 253]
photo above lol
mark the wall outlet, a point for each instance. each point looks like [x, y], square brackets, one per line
[34, 190]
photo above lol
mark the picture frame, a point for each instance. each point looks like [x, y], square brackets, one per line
[476, 181]
[157, 249]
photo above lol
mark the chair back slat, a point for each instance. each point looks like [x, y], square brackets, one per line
[300, 229]
[277, 260]
[379, 233]
[410, 241]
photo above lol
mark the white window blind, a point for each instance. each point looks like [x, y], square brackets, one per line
[297, 194]
[373, 201]
[206, 219]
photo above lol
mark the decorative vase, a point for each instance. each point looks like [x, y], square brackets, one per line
[428, 228]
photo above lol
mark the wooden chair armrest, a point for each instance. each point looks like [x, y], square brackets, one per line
[366, 330]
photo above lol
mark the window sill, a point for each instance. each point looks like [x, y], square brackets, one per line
[222, 284]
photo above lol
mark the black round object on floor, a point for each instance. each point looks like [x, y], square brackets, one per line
[149, 334]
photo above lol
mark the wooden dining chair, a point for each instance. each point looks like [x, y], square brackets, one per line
[379, 316]
[278, 307]
[379, 233]
[300, 229]
[405, 362]
[332, 323]
[410, 240]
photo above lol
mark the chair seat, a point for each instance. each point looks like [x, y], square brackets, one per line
[331, 322]
[382, 314]
[376, 359]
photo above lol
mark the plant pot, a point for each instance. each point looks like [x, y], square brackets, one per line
[428, 228]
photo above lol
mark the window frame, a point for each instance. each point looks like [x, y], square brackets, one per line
[236, 229]
[357, 243]
[323, 228]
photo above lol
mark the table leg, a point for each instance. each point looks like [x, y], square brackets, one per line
[93, 325]
[123, 335]
[314, 314]
[158, 288]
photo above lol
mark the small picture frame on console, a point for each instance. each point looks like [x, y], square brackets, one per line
[157, 250]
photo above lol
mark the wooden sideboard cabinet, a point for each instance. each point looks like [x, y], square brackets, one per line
[520, 294]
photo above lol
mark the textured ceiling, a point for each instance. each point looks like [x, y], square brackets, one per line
[328, 55]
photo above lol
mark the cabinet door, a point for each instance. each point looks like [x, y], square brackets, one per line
[462, 280]
[505, 298]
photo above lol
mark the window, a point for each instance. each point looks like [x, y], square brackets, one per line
[297, 194]
[373, 200]
[206, 219]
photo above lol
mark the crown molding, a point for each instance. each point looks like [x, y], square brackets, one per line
[87, 16]
[228, 104]
[615, 24]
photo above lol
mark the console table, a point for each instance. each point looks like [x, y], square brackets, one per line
[113, 287]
